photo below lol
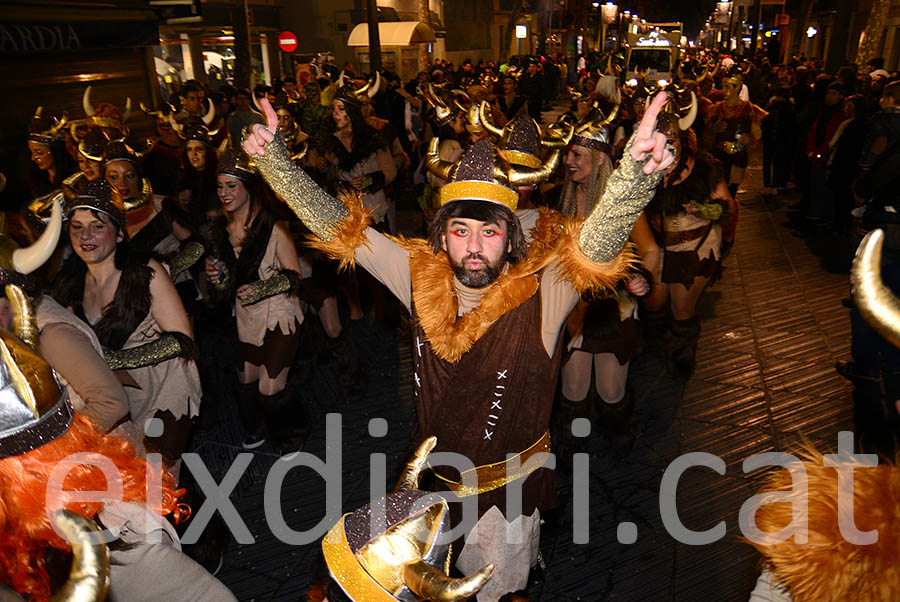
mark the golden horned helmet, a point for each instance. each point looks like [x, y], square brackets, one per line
[45, 129]
[406, 558]
[105, 115]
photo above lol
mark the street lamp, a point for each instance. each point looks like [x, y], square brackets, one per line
[608, 14]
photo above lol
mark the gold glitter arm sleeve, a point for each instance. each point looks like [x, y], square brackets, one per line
[168, 346]
[320, 211]
[604, 232]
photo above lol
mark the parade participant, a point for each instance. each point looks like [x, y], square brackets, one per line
[197, 178]
[47, 146]
[242, 116]
[132, 305]
[295, 139]
[164, 157]
[602, 333]
[151, 224]
[106, 116]
[486, 311]
[360, 568]
[449, 126]
[510, 104]
[255, 263]
[733, 127]
[39, 433]
[690, 204]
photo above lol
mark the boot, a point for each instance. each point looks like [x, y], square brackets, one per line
[615, 421]
[681, 352]
[251, 414]
[287, 422]
[868, 415]
[565, 444]
[654, 327]
[350, 376]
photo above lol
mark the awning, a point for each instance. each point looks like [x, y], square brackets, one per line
[398, 33]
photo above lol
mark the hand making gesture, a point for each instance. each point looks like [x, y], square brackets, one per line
[648, 142]
[261, 135]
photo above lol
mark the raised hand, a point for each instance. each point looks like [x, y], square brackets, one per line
[650, 144]
[261, 135]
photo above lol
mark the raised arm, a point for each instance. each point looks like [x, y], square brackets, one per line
[320, 211]
[630, 188]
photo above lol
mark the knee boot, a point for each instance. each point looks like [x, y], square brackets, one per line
[615, 421]
[287, 422]
[654, 326]
[351, 377]
[869, 415]
[564, 443]
[681, 354]
[251, 414]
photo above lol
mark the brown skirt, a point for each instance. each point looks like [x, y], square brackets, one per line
[275, 354]
[682, 267]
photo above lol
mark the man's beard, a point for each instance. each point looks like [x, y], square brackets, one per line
[479, 278]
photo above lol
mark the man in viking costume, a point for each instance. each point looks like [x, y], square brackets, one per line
[487, 311]
[39, 431]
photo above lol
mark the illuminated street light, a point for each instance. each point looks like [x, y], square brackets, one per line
[811, 31]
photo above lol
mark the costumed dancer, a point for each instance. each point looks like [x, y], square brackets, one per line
[47, 148]
[602, 332]
[487, 311]
[255, 263]
[197, 177]
[38, 432]
[690, 204]
[734, 126]
[132, 305]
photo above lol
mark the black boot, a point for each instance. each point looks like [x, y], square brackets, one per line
[681, 352]
[615, 421]
[351, 378]
[287, 422]
[654, 327]
[565, 444]
[868, 415]
[251, 414]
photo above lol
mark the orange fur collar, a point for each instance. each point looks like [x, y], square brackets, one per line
[434, 293]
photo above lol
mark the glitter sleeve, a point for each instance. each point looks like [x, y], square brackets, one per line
[628, 191]
[320, 211]
[168, 346]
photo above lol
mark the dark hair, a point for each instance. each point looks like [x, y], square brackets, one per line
[893, 89]
[483, 211]
[860, 106]
[290, 79]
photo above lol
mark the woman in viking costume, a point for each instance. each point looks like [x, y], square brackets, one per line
[39, 431]
[602, 332]
[47, 148]
[132, 305]
[197, 178]
[255, 263]
[690, 204]
[448, 122]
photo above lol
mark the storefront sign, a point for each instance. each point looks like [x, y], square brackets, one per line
[21, 38]
[287, 41]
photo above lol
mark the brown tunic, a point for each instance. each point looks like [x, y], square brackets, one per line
[495, 400]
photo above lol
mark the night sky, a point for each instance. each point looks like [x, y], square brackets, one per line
[692, 14]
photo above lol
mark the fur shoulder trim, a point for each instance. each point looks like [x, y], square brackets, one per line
[829, 568]
[574, 266]
[348, 234]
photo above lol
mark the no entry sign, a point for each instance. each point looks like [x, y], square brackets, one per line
[287, 41]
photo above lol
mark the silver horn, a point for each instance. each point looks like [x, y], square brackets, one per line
[32, 257]
[127, 112]
[86, 102]
[375, 87]
[211, 113]
[687, 121]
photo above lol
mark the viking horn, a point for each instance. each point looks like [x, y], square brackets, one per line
[256, 102]
[686, 122]
[703, 75]
[609, 69]
[877, 304]
[127, 112]
[144, 108]
[175, 125]
[532, 177]
[86, 102]
[437, 99]
[612, 115]
[37, 112]
[553, 142]
[409, 478]
[486, 122]
[433, 162]
[211, 113]
[25, 323]
[304, 149]
[376, 86]
[340, 81]
[89, 576]
[428, 583]
[30, 258]
[59, 125]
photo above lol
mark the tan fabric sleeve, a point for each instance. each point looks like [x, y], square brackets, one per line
[72, 355]
[558, 297]
[388, 262]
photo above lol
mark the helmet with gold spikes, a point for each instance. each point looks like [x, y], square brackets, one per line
[404, 558]
[347, 92]
[45, 129]
[674, 119]
[595, 134]
[105, 115]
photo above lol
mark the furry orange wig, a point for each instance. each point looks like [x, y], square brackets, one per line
[25, 529]
[828, 568]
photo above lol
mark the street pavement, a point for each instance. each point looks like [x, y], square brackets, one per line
[773, 327]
